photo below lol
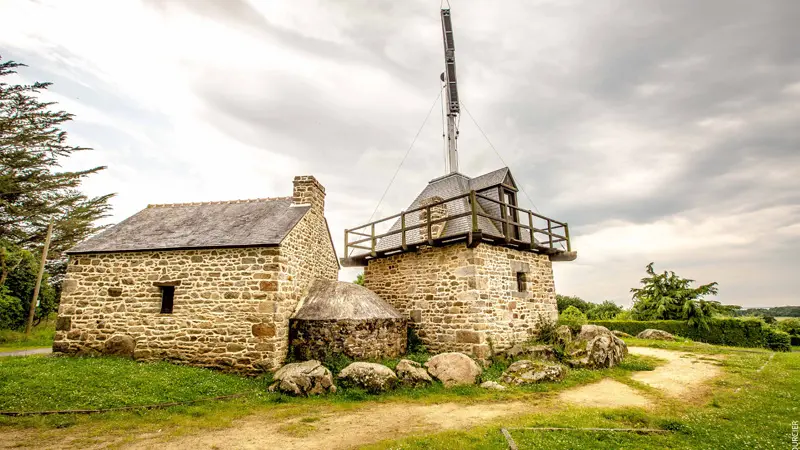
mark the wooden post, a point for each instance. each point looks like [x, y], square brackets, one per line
[530, 224]
[566, 234]
[403, 231]
[550, 232]
[503, 213]
[372, 239]
[29, 324]
[346, 244]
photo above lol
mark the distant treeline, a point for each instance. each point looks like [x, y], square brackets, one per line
[777, 311]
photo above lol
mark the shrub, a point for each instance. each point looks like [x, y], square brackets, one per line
[791, 326]
[12, 314]
[573, 318]
[776, 339]
[721, 331]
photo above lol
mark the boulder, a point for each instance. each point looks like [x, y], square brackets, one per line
[412, 373]
[370, 376]
[120, 345]
[493, 385]
[544, 352]
[603, 351]
[453, 369]
[655, 334]
[303, 379]
[528, 372]
[564, 334]
[589, 332]
[620, 334]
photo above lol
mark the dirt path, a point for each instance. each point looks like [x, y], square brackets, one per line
[681, 376]
[344, 429]
[606, 394]
[34, 351]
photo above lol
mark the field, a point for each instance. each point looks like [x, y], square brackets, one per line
[41, 336]
[750, 402]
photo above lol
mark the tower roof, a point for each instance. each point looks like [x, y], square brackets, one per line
[449, 186]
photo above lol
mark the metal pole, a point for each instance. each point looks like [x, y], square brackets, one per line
[29, 324]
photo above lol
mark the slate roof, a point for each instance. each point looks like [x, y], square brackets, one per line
[340, 300]
[238, 223]
[449, 186]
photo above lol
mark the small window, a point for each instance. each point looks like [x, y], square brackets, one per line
[520, 281]
[167, 297]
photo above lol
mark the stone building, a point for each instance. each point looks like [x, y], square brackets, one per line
[344, 318]
[208, 284]
[464, 263]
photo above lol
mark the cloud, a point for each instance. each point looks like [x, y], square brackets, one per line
[661, 131]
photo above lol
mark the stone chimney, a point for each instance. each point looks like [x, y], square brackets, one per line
[308, 191]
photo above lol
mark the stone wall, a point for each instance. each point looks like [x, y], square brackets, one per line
[358, 339]
[460, 298]
[231, 306]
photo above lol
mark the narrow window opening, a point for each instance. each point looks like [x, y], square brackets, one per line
[167, 298]
[520, 281]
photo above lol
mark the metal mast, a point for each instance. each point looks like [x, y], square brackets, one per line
[451, 88]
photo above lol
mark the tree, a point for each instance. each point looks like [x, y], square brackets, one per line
[33, 190]
[359, 279]
[667, 296]
[604, 311]
[565, 301]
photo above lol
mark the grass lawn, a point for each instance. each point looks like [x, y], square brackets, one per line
[744, 407]
[41, 336]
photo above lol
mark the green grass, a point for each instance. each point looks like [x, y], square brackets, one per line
[41, 336]
[746, 409]
[35, 383]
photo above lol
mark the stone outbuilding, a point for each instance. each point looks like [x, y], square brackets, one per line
[207, 284]
[344, 318]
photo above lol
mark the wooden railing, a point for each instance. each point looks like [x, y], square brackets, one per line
[547, 238]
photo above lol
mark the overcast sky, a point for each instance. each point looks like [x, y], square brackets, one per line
[663, 131]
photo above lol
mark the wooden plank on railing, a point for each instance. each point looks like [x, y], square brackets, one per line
[428, 219]
[373, 239]
[550, 232]
[403, 231]
[530, 223]
[566, 234]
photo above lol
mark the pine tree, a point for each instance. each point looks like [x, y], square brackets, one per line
[33, 189]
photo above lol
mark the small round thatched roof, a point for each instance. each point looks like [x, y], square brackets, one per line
[339, 300]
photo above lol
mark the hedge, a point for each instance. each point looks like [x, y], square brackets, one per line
[721, 331]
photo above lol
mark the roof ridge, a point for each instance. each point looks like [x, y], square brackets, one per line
[221, 202]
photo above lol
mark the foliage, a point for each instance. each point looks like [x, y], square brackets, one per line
[667, 296]
[565, 301]
[604, 311]
[359, 279]
[414, 343]
[16, 293]
[736, 332]
[623, 315]
[791, 326]
[11, 311]
[778, 311]
[34, 191]
[777, 340]
[572, 317]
